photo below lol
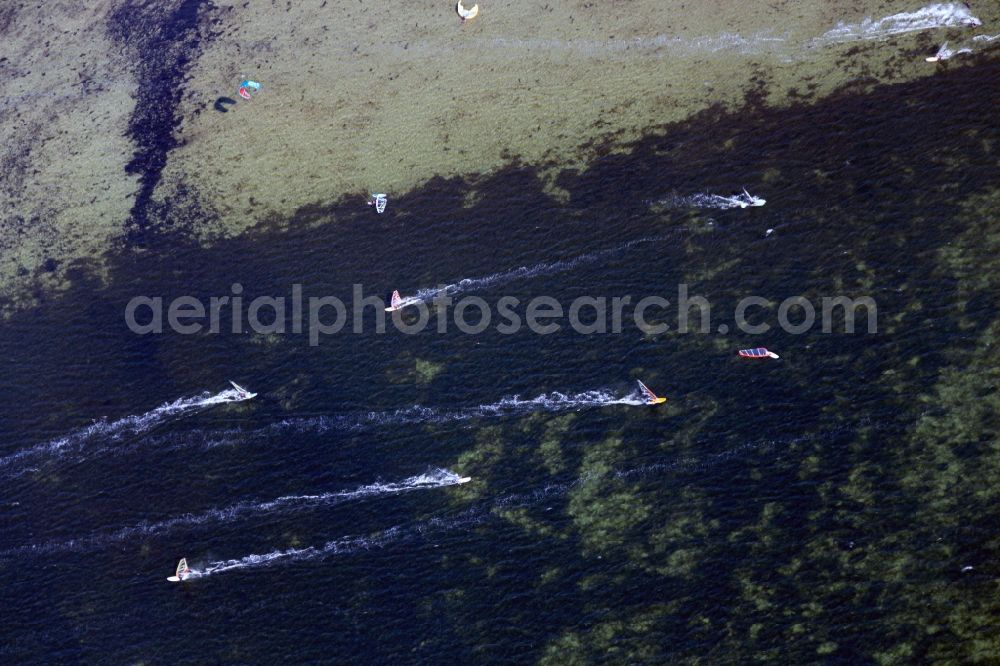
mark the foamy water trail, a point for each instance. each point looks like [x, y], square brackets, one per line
[715, 201]
[115, 430]
[944, 15]
[343, 546]
[968, 46]
[508, 406]
[523, 272]
[656, 45]
[728, 44]
[490, 509]
[438, 478]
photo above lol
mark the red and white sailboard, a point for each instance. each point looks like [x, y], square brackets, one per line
[396, 302]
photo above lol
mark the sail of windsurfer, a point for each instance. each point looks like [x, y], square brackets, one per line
[651, 397]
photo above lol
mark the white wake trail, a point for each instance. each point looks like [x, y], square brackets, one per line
[473, 516]
[945, 15]
[343, 546]
[129, 425]
[660, 45]
[438, 478]
[523, 272]
[702, 200]
[508, 406]
[477, 515]
[967, 47]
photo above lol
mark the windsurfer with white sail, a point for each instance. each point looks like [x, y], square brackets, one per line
[182, 573]
[243, 393]
[651, 397]
[380, 201]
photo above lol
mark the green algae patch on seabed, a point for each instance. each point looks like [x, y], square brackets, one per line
[878, 520]
[362, 97]
[64, 109]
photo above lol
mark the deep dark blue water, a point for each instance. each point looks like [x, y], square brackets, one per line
[802, 509]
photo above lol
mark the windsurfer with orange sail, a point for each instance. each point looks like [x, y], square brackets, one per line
[651, 397]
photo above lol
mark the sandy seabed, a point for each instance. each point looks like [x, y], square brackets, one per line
[108, 118]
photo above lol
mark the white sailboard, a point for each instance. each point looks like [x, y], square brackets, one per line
[182, 572]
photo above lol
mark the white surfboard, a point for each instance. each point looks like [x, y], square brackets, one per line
[464, 479]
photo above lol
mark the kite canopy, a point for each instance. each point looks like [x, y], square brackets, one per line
[467, 14]
[246, 86]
